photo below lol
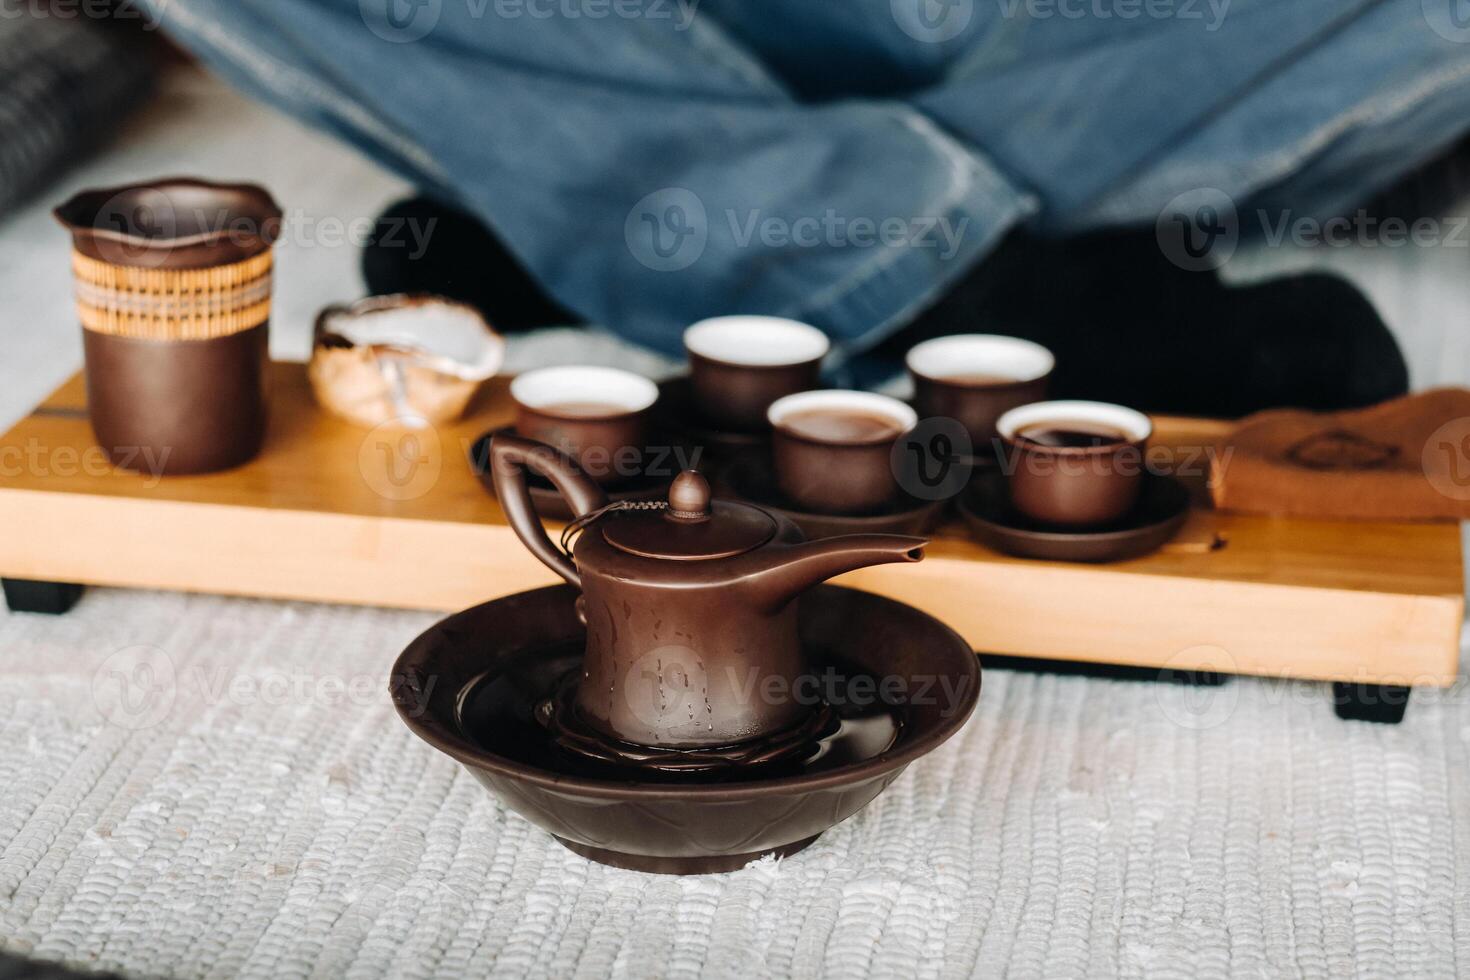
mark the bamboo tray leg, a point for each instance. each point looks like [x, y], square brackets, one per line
[51, 598]
[1382, 703]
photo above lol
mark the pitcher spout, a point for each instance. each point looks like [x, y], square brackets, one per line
[794, 570]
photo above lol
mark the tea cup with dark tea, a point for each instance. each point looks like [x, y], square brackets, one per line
[832, 450]
[1074, 463]
[596, 415]
[739, 365]
[976, 378]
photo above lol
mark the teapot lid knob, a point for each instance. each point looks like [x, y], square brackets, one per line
[692, 526]
[689, 496]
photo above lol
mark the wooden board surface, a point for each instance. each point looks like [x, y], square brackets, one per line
[330, 512]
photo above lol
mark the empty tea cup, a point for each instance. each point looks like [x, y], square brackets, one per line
[596, 415]
[739, 365]
[1074, 463]
[976, 378]
[832, 450]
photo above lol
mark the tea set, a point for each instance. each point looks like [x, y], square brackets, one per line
[666, 733]
[749, 415]
[693, 697]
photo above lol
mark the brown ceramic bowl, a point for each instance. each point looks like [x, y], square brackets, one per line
[977, 378]
[533, 639]
[1075, 486]
[837, 475]
[598, 416]
[739, 365]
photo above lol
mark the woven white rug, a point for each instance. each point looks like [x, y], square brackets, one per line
[252, 806]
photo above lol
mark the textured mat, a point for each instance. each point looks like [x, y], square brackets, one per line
[215, 787]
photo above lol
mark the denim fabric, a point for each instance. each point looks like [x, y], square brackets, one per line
[656, 161]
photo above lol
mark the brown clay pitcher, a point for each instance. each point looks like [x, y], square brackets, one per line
[691, 607]
[173, 289]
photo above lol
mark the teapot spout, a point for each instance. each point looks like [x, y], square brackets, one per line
[802, 566]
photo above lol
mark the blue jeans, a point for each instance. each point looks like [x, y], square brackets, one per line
[657, 161]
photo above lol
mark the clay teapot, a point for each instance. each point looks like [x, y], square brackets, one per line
[690, 606]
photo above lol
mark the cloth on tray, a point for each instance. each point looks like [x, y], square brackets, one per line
[1406, 459]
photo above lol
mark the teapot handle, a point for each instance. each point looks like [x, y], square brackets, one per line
[510, 457]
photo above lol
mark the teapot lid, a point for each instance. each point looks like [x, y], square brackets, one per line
[692, 527]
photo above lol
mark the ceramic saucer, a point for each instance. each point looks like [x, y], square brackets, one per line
[471, 684]
[1162, 507]
[550, 505]
[676, 412]
[750, 478]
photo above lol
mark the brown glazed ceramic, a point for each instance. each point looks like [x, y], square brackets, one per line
[610, 447]
[173, 287]
[828, 477]
[687, 827]
[177, 407]
[677, 414]
[1161, 509]
[689, 609]
[1075, 486]
[751, 479]
[739, 365]
[551, 505]
[172, 223]
[737, 395]
[940, 369]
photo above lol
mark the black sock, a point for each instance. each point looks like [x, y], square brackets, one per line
[421, 246]
[1128, 326]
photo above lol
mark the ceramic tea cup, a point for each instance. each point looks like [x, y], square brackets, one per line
[596, 415]
[977, 378]
[832, 450]
[1074, 463]
[739, 365]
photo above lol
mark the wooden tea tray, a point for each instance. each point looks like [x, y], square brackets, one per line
[331, 513]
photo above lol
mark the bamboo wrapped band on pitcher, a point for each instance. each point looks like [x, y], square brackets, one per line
[172, 304]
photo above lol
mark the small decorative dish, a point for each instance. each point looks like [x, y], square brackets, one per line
[413, 359]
